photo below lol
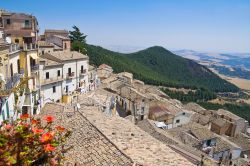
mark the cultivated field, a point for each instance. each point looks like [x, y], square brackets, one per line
[241, 83]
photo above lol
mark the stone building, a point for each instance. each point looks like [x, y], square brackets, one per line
[168, 113]
[200, 138]
[221, 121]
[104, 71]
[59, 38]
[20, 28]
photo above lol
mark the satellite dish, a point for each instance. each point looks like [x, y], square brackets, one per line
[8, 40]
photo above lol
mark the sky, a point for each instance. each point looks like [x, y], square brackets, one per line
[202, 25]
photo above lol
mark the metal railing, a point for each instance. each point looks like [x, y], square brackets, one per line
[35, 67]
[51, 80]
[70, 75]
[30, 46]
[83, 72]
[13, 81]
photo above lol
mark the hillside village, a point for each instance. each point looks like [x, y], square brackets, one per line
[115, 119]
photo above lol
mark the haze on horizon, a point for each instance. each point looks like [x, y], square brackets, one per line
[208, 25]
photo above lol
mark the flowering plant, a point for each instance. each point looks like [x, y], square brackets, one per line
[30, 141]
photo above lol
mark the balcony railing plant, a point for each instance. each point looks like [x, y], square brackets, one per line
[83, 72]
[70, 75]
[30, 46]
[51, 80]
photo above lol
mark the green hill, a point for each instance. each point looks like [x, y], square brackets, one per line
[159, 66]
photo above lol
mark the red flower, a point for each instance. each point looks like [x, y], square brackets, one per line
[8, 127]
[49, 119]
[33, 121]
[60, 128]
[49, 148]
[47, 137]
[24, 116]
[37, 131]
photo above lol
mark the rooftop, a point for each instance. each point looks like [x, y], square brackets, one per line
[135, 143]
[20, 16]
[62, 37]
[201, 134]
[219, 122]
[242, 140]
[44, 44]
[228, 114]
[66, 55]
[90, 146]
[159, 107]
[104, 66]
[55, 31]
[194, 107]
[48, 62]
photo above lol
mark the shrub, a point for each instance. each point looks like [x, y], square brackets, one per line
[30, 141]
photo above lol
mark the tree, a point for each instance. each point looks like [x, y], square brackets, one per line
[78, 40]
[76, 35]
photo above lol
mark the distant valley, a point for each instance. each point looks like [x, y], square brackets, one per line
[231, 64]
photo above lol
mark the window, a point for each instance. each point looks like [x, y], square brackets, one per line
[177, 121]
[8, 21]
[82, 69]
[69, 70]
[58, 73]
[26, 23]
[65, 46]
[42, 52]
[67, 89]
[54, 89]
[11, 70]
[17, 41]
[47, 75]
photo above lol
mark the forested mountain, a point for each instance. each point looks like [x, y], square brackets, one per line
[159, 66]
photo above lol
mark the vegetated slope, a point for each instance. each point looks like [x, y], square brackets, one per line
[180, 70]
[120, 63]
[159, 66]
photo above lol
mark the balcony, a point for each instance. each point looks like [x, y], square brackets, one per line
[70, 75]
[30, 46]
[51, 80]
[13, 81]
[83, 72]
[14, 48]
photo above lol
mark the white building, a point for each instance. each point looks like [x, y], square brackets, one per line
[51, 78]
[61, 73]
[10, 78]
[75, 70]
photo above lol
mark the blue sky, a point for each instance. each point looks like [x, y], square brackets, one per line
[204, 25]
